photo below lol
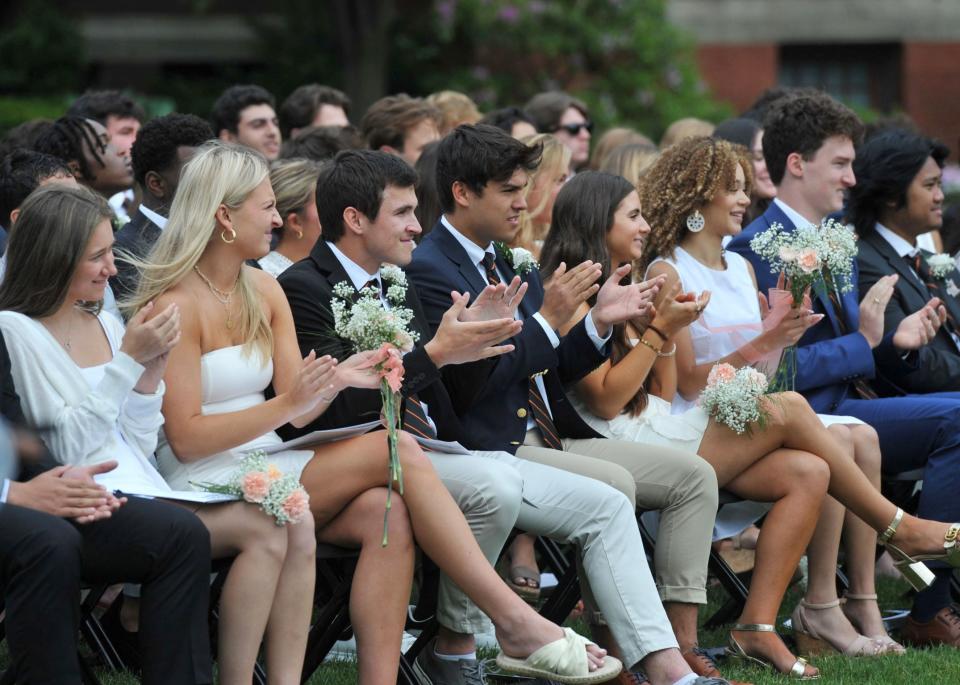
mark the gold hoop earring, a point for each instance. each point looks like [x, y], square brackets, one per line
[223, 235]
[299, 235]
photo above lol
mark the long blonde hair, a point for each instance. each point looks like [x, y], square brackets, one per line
[555, 159]
[219, 174]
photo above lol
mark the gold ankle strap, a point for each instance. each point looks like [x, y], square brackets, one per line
[891, 530]
[754, 627]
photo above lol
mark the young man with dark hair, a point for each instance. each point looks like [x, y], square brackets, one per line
[522, 407]
[313, 105]
[164, 145]
[119, 114]
[366, 204]
[87, 149]
[898, 198]
[245, 114]
[513, 120]
[401, 125]
[321, 143]
[808, 145]
[567, 118]
[21, 172]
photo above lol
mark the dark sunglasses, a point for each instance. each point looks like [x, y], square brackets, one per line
[574, 129]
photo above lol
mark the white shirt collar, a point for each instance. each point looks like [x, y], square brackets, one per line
[901, 246]
[796, 217]
[158, 219]
[357, 274]
[474, 251]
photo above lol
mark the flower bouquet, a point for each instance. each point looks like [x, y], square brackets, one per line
[260, 482]
[734, 397]
[807, 257]
[361, 319]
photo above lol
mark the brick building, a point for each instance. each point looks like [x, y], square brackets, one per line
[887, 55]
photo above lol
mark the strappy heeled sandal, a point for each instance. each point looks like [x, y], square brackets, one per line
[913, 569]
[812, 642]
[797, 672]
[890, 646]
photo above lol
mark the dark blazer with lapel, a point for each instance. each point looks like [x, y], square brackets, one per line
[136, 237]
[827, 359]
[938, 363]
[308, 285]
[497, 416]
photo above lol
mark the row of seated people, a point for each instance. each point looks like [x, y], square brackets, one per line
[496, 358]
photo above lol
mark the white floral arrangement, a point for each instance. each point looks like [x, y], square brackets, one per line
[941, 265]
[734, 397]
[808, 253]
[258, 481]
[361, 319]
[520, 259]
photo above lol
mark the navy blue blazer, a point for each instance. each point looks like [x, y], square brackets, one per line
[827, 359]
[497, 415]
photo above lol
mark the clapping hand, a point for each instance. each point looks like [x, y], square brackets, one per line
[921, 327]
[619, 303]
[496, 302]
[566, 290]
[678, 309]
[68, 492]
[457, 341]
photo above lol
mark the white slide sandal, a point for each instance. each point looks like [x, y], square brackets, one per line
[563, 661]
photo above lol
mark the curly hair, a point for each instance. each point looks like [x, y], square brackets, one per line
[67, 138]
[155, 148]
[801, 123]
[686, 177]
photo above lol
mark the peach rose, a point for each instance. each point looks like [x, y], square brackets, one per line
[296, 505]
[808, 260]
[721, 373]
[255, 486]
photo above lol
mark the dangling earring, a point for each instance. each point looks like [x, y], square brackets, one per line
[695, 222]
[223, 235]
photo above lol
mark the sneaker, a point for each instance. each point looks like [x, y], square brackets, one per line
[432, 670]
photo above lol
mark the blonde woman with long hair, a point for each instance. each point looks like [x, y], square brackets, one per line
[542, 190]
[238, 338]
[294, 184]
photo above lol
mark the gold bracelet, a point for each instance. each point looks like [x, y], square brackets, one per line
[668, 354]
[656, 351]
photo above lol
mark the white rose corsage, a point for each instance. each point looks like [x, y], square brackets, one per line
[941, 265]
[519, 259]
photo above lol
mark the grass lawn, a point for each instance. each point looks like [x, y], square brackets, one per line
[917, 667]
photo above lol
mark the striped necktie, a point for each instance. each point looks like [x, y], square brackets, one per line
[860, 385]
[538, 406]
[415, 419]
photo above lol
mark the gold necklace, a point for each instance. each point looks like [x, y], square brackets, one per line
[66, 345]
[224, 297]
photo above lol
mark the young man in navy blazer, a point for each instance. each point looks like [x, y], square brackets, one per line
[808, 144]
[366, 204]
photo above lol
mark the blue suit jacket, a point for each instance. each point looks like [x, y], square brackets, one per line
[497, 416]
[827, 359]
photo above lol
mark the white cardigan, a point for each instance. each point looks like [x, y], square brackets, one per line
[83, 423]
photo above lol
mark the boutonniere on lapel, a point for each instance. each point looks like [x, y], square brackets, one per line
[519, 259]
[941, 265]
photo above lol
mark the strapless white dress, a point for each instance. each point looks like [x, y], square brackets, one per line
[230, 381]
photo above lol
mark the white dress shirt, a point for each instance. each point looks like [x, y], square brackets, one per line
[158, 219]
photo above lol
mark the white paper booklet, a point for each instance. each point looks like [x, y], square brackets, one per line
[317, 437]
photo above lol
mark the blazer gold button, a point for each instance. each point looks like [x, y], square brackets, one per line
[522, 413]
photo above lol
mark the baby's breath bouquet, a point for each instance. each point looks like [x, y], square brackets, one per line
[806, 256]
[734, 397]
[361, 319]
[260, 482]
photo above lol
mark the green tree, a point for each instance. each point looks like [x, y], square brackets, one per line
[41, 51]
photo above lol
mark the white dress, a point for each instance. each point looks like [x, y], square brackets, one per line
[230, 381]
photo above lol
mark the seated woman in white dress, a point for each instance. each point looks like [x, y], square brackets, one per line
[238, 338]
[99, 390]
[789, 461]
[294, 183]
[697, 176]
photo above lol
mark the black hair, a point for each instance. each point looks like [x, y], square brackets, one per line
[801, 123]
[477, 154]
[885, 167]
[100, 104]
[428, 202]
[155, 148]
[23, 136]
[758, 110]
[741, 131]
[357, 178]
[22, 172]
[321, 143]
[226, 110]
[301, 106]
[506, 117]
[66, 139]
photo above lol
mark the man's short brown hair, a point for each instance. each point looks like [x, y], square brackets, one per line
[389, 118]
[301, 106]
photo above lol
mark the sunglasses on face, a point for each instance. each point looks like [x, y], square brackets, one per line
[574, 129]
